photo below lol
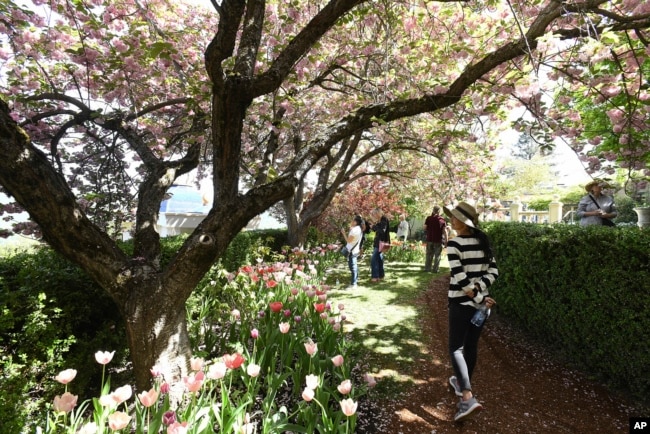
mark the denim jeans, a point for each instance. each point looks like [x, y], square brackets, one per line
[354, 268]
[377, 264]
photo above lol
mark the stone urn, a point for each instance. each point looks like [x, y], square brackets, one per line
[643, 212]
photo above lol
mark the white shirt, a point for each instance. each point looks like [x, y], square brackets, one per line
[355, 233]
[403, 229]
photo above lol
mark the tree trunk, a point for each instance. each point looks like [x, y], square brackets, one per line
[156, 329]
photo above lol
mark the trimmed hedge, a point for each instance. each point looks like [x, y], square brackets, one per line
[584, 292]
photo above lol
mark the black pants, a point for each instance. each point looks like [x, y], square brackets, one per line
[463, 343]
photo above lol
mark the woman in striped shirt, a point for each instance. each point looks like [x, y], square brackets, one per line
[473, 270]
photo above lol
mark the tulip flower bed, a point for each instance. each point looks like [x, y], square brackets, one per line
[270, 357]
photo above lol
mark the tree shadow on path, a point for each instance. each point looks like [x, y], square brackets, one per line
[521, 388]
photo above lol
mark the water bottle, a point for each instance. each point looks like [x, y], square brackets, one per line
[481, 314]
[337, 282]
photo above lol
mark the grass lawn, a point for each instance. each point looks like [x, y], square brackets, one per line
[383, 319]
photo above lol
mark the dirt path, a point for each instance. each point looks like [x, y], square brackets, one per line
[521, 390]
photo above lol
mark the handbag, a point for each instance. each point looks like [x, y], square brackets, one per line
[345, 251]
[384, 246]
[606, 222]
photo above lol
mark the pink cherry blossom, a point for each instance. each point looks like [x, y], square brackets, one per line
[104, 357]
[66, 376]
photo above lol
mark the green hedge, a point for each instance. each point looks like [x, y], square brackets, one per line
[583, 292]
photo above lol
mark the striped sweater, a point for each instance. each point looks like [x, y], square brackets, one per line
[469, 265]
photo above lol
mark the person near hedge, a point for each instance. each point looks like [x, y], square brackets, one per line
[436, 229]
[353, 244]
[596, 208]
[381, 234]
[473, 271]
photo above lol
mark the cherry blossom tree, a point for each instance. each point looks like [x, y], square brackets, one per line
[106, 104]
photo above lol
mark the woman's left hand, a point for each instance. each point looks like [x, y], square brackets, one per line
[489, 302]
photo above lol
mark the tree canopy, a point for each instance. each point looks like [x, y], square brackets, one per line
[106, 104]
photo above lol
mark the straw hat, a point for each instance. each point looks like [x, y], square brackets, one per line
[463, 212]
[591, 184]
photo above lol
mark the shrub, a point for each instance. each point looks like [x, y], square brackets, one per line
[582, 291]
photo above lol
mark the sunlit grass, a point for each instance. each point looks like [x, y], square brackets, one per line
[383, 319]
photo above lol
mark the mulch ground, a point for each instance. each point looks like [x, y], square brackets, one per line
[521, 388]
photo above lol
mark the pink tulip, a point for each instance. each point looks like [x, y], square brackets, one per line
[337, 360]
[312, 381]
[169, 417]
[196, 363]
[177, 428]
[370, 380]
[319, 307]
[155, 371]
[193, 382]
[148, 398]
[164, 388]
[311, 348]
[341, 306]
[104, 357]
[255, 334]
[276, 306]
[217, 371]
[308, 394]
[65, 402]
[336, 327]
[345, 387]
[88, 428]
[284, 327]
[66, 376]
[122, 394]
[233, 361]
[118, 420]
[236, 314]
[107, 401]
[348, 407]
[253, 370]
